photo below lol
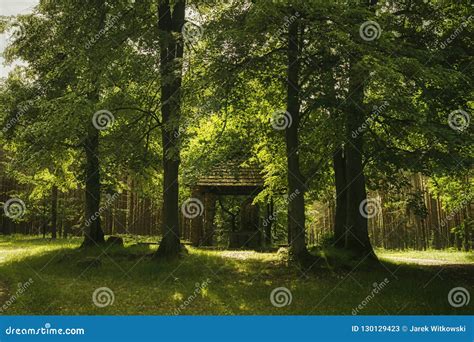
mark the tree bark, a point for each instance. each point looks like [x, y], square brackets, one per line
[339, 165]
[170, 23]
[93, 231]
[296, 183]
[357, 235]
[54, 212]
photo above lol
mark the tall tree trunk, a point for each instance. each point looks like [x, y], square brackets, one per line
[170, 23]
[93, 234]
[54, 211]
[339, 164]
[296, 183]
[357, 236]
[93, 231]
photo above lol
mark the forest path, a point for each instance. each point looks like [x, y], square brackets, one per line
[428, 262]
[459, 270]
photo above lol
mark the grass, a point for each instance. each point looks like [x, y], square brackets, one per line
[220, 282]
[444, 256]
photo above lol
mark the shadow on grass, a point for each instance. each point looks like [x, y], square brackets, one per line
[222, 282]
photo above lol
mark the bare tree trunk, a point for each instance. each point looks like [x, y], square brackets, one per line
[54, 212]
[296, 183]
[339, 165]
[93, 234]
[93, 231]
[170, 23]
[357, 237]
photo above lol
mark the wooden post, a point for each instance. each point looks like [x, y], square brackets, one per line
[209, 214]
[197, 224]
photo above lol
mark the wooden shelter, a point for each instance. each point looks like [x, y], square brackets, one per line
[228, 180]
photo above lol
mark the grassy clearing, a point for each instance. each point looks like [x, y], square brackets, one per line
[219, 282]
[444, 256]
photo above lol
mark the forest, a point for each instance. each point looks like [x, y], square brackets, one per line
[182, 157]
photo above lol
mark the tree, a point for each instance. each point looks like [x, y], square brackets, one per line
[170, 24]
[296, 182]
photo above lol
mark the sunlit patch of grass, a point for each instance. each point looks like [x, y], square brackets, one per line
[450, 255]
[237, 282]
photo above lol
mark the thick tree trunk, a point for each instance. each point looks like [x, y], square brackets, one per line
[170, 23]
[296, 183]
[54, 211]
[93, 232]
[339, 164]
[357, 236]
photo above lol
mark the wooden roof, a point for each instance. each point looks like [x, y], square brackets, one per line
[231, 178]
